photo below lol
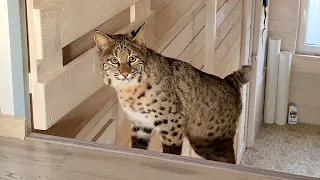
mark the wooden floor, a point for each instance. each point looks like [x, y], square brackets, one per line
[34, 159]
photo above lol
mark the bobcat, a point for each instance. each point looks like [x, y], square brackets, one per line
[172, 97]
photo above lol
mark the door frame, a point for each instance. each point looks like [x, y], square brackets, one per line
[246, 48]
[16, 123]
[258, 56]
[210, 17]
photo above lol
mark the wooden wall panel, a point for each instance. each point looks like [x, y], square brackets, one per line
[227, 39]
[168, 19]
[170, 15]
[306, 62]
[228, 57]
[227, 33]
[86, 42]
[48, 66]
[282, 13]
[142, 9]
[115, 113]
[68, 86]
[219, 17]
[305, 79]
[163, 42]
[307, 102]
[309, 115]
[220, 3]
[190, 52]
[223, 48]
[158, 5]
[305, 98]
[230, 21]
[291, 4]
[282, 26]
[198, 61]
[123, 134]
[233, 64]
[83, 118]
[210, 35]
[66, 90]
[284, 17]
[107, 133]
[225, 11]
[110, 100]
[60, 23]
[183, 39]
[305, 88]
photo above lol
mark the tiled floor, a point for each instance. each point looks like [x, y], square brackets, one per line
[292, 149]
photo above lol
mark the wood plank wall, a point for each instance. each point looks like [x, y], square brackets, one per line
[283, 22]
[305, 88]
[305, 74]
[179, 34]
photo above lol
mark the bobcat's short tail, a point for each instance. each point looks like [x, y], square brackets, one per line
[240, 77]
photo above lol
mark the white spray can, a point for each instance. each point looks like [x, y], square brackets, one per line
[293, 114]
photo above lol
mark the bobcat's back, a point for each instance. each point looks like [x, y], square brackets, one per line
[212, 106]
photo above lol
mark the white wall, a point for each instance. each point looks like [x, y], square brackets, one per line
[14, 87]
[6, 87]
[284, 15]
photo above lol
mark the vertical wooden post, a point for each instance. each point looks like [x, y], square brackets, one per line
[210, 35]
[132, 13]
[246, 44]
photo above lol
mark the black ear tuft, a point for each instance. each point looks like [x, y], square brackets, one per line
[135, 32]
[138, 35]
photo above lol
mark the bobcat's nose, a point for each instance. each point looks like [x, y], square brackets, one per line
[124, 70]
[125, 74]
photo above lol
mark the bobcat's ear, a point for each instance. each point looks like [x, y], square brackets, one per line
[102, 40]
[138, 35]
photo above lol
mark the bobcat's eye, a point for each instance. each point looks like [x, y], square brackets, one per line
[114, 60]
[132, 59]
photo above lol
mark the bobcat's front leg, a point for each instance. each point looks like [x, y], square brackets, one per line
[140, 136]
[172, 135]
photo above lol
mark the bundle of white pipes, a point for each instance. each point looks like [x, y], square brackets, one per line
[277, 83]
